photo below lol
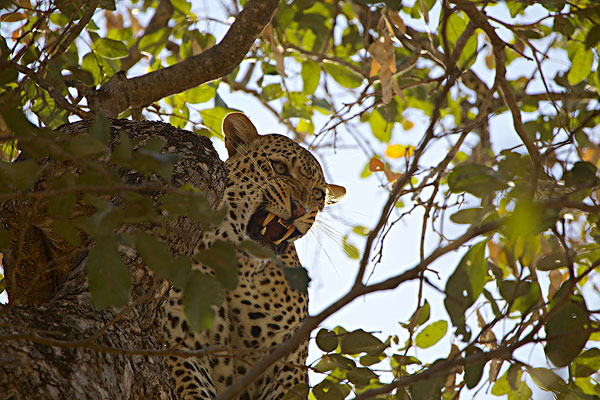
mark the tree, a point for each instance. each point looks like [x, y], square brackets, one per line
[529, 204]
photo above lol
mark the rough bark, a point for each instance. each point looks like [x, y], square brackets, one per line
[121, 93]
[53, 343]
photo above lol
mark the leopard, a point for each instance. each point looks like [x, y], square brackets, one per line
[275, 190]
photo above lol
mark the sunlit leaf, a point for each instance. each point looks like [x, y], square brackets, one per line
[110, 48]
[343, 75]
[431, 334]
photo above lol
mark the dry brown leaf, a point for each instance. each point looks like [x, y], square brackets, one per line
[397, 21]
[376, 165]
[487, 338]
[375, 67]
[113, 21]
[556, 279]
[495, 366]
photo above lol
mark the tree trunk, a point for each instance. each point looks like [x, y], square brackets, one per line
[53, 343]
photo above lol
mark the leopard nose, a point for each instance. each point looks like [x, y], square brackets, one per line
[298, 209]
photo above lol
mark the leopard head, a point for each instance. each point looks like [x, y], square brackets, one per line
[275, 187]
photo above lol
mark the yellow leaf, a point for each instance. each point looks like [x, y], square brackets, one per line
[399, 150]
[407, 125]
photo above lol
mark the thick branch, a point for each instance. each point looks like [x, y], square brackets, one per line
[121, 93]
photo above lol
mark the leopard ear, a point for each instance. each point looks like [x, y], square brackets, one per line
[239, 131]
[334, 194]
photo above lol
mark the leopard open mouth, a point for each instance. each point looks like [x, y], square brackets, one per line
[272, 230]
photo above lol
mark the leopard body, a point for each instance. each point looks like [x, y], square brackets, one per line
[273, 182]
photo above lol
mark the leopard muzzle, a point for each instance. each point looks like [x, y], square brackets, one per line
[272, 230]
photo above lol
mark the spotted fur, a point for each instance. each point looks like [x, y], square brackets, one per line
[273, 174]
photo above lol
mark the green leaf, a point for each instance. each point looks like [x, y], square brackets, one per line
[158, 257]
[581, 176]
[108, 276]
[361, 376]
[201, 293]
[154, 42]
[552, 261]
[473, 371]
[221, 257]
[581, 62]
[19, 175]
[149, 159]
[465, 285]
[61, 206]
[311, 74]
[566, 328]
[428, 389]
[298, 392]
[271, 92]
[296, 277]
[522, 294]
[431, 334]
[419, 317]
[200, 94]
[359, 341]
[212, 118]
[182, 6]
[477, 179]
[350, 249]
[546, 379]
[99, 128]
[332, 361]
[110, 48]
[85, 146]
[65, 230]
[382, 129]
[328, 390]
[257, 250]
[327, 340]
[343, 75]
[587, 363]
[474, 215]
[122, 153]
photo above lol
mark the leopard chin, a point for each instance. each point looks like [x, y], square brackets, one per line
[272, 230]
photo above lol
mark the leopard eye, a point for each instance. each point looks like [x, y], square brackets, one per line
[279, 167]
[318, 194]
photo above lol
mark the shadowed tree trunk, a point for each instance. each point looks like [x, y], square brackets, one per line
[54, 344]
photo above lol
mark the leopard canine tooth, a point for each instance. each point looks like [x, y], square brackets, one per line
[268, 219]
[264, 230]
[286, 235]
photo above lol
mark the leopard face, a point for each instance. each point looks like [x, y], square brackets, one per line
[276, 188]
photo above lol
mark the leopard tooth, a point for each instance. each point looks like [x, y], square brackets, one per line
[286, 235]
[268, 219]
[264, 230]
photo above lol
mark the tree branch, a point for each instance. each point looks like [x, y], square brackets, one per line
[498, 45]
[121, 93]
